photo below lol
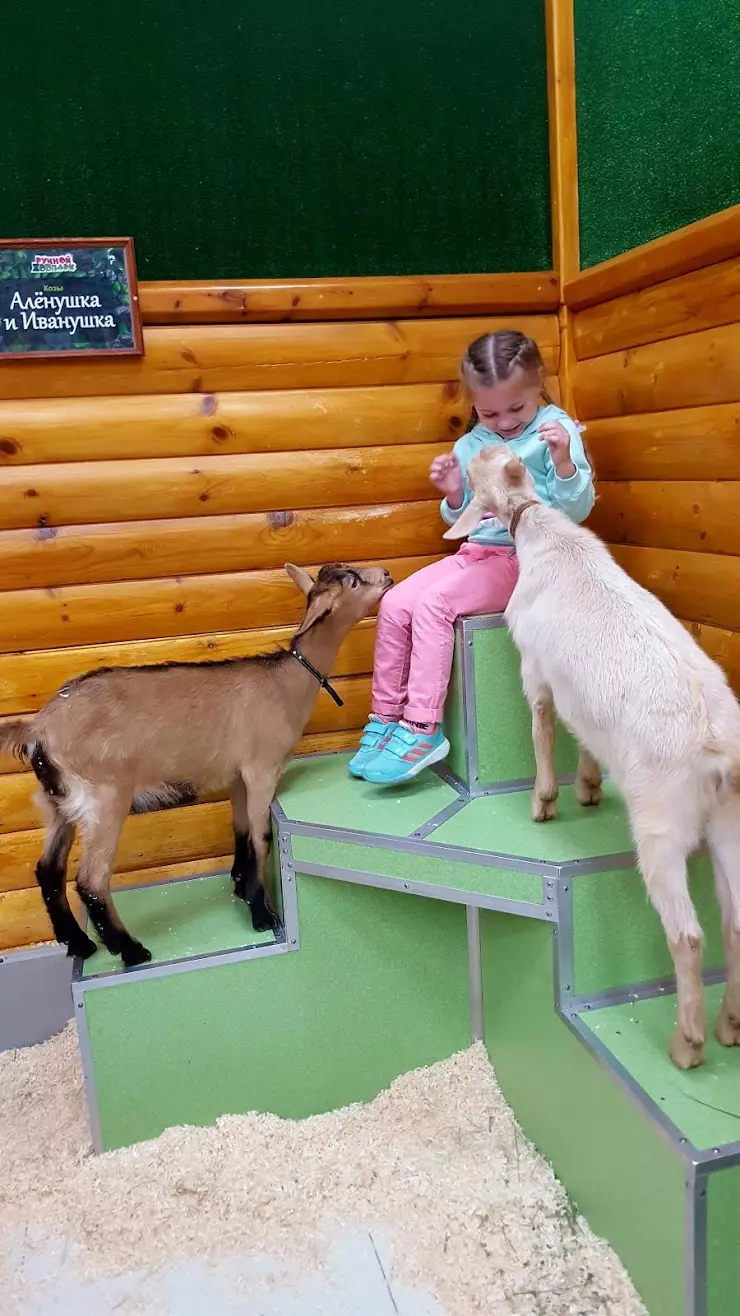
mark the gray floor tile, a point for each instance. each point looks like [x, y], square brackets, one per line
[354, 1282]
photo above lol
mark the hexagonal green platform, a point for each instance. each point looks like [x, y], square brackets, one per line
[320, 791]
[503, 823]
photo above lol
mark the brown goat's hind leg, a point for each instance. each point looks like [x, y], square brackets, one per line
[51, 875]
[250, 801]
[100, 832]
[244, 867]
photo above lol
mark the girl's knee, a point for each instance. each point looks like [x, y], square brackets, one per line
[435, 605]
[407, 601]
[392, 605]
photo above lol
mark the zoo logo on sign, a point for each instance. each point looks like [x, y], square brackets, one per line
[44, 264]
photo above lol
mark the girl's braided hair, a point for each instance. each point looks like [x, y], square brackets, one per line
[492, 358]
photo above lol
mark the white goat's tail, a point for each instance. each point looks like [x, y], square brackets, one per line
[721, 763]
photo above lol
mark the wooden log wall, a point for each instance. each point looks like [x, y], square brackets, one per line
[147, 507]
[656, 334]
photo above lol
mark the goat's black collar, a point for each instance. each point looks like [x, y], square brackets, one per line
[516, 518]
[299, 657]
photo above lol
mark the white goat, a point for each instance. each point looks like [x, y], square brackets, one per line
[640, 697]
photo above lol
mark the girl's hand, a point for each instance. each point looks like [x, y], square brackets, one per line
[446, 476]
[557, 439]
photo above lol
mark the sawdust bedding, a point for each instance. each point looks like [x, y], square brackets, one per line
[436, 1163]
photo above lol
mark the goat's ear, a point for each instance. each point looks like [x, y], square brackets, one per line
[320, 606]
[514, 470]
[467, 521]
[300, 578]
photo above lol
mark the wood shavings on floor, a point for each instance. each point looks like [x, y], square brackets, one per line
[436, 1163]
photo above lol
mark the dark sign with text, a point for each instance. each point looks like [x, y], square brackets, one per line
[68, 297]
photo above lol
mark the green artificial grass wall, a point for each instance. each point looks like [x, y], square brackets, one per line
[260, 140]
[658, 118]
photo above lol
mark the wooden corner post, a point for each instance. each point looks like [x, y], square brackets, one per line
[561, 105]
[561, 100]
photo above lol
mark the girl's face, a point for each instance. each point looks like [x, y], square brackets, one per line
[509, 407]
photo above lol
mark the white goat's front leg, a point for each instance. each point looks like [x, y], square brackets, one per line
[661, 852]
[545, 793]
[723, 835]
[588, 778]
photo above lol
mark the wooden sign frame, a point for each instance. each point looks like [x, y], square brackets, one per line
[70, 245]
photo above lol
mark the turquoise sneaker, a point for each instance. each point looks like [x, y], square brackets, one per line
[405, 754]
[376, 731]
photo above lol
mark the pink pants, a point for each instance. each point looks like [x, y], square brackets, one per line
[415, 640]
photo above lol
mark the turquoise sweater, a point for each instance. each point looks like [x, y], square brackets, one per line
[574, 496]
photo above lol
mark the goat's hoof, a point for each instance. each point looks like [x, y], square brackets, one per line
[80, 947]
[727, 1030]
[543, 810]
[588, 793]
[267, 924]
[686, 1053]
[133, 953]
[264, 921]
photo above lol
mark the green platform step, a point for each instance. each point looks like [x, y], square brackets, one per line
[270, 1029]
[182, 921]
[487, 719]
[537, 937]
[484, 851]
[320, 791]
[617, 938]
[704, 1105]
[617, 1124]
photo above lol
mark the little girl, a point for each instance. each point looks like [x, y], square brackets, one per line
[415, 638]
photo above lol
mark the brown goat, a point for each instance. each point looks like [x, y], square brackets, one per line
[132, 739]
